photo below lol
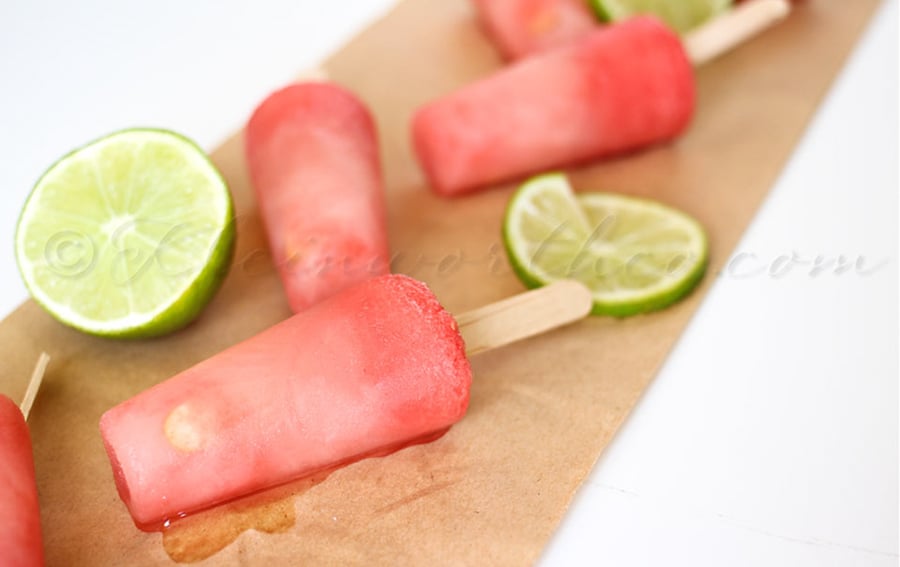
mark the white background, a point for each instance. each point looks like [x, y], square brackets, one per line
[769, 438]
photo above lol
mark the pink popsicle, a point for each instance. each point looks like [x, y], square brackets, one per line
[380, 364]
[522, 27]
[313, 158]
[618, 89]
[20, 517]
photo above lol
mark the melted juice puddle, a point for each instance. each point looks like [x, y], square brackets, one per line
[203, 534]
[200, 535]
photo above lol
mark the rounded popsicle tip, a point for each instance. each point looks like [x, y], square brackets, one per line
[285, 106]
[107, 425]
[6, 405]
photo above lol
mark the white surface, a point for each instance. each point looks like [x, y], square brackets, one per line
[770, 437]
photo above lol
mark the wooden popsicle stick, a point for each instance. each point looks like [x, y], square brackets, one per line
[315, 74]
[733, 27]
[34, 384]
[524, 315]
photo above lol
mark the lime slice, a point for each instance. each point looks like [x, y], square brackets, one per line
[681, 15]
[635, 255]
[129, 236]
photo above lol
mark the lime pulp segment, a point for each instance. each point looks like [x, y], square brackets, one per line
[635, 255]
[127, 236]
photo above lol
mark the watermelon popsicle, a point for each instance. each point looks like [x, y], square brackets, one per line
[620, 88]
[20, 518]
[374, 367]
[521, 27]
[312, 155]
[20, 527]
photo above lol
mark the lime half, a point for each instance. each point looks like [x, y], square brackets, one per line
[635, 255]
[681, 15]
[129, 236]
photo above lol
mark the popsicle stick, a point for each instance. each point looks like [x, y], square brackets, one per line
[524, 315]
[733, 27]
[34, 384]
[314, 74]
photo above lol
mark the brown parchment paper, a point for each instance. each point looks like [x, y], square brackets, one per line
[494, 488]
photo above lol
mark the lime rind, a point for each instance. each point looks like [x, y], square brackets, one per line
[82, 295]
[680, 15]
[601, 10]
[636, 255]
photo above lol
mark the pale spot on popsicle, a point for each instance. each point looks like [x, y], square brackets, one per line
[187, 429]
[543, 22]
